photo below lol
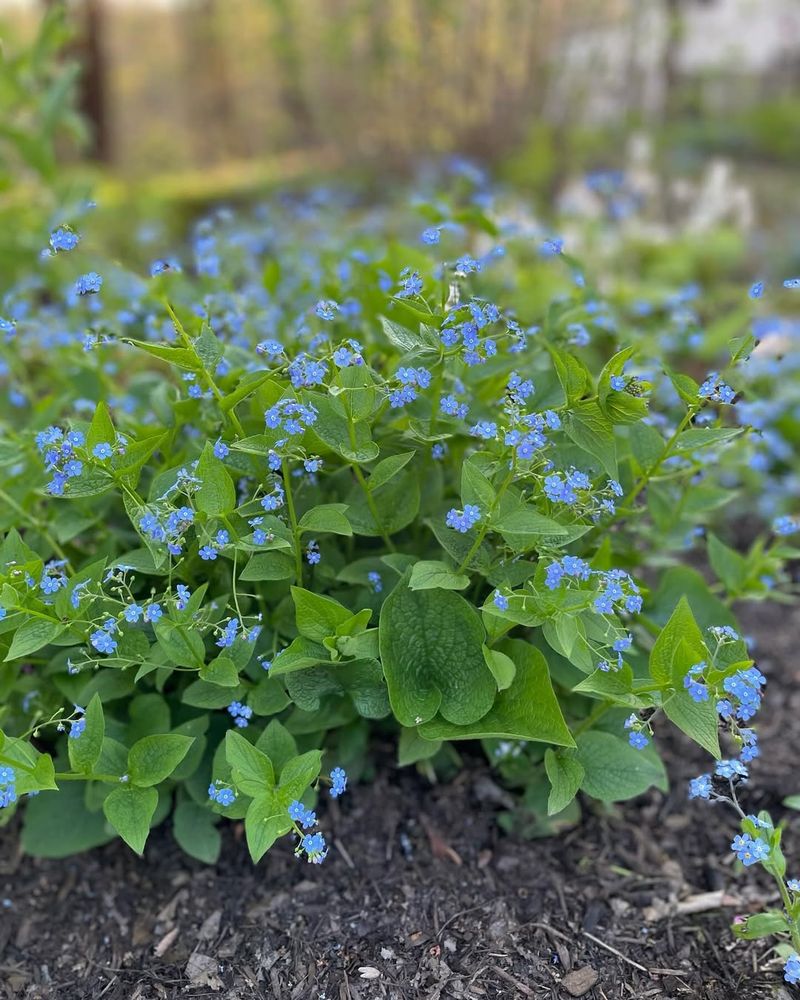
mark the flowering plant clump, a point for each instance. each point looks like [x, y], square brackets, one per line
[309, 479]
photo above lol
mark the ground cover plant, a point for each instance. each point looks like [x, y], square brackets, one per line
[322, 475]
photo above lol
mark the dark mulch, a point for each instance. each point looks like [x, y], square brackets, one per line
[423, 897]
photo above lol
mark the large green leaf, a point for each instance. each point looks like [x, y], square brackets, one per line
[614, 770]
[527, 710]
[431, 648]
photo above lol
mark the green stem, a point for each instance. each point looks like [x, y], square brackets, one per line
[590, 719]
[69, 776]
[643, 480]
[485, 526]
[373, 508]
[298, 556]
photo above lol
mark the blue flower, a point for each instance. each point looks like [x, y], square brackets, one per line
[756, 289]
[410, 284]
[89, 284]
[618, 382]
[376, 581]
[103, 642]
[792, 283]
[63, 239]
[221, 450]
[207, 553]
[132, 613]
[551, 247]
[305, 817]
[339, 779]
[430, 236]
[785, 525]
[102, 450]
[791, 969]
[700, 788]
[314, 846]
[224, 796]
[153, 612]
[313, 554]
[326, 309]
[77, 728]
[748, 850]
[500, 601]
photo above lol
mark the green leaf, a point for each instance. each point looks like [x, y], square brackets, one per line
[476, 488]
[221, 671]
[429, 574]
[729, 565]
[412, 747]
[209, 348]
[298, 774]
[57, 824]
[278, 744]
[265, 821]
[697, 438]
[388, 468]
[32, 635]
[761, 925]
[406, 340]
[182, 643]
[680, 640]
[397, 503]
[431, 647]
[216, 494]
[615, 770]
[269, 566]
[129, 810]
[332, 428]
[179, 357]
[525, 528]
[101, 428]
[502, 667]
[85, 749]
[316, 616]
[591, 430]
[326, 518]
[252, 770]
[697, 719]
[154, 758]
[195, 833]
[527, 710]
[566, 773]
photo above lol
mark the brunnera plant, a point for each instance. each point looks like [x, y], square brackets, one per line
[308, 486]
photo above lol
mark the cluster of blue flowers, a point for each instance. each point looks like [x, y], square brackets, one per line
[465, 519]
[408, 380]
[8, 791]
[58, 449]
[313, 845]
[291, 417]
[241, 714]
[716, 390]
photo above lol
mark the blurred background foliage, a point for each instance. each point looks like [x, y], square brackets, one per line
[185, 102]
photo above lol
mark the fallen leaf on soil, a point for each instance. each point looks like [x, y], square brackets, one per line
[201, 970]
[210, 926]
[580, 981]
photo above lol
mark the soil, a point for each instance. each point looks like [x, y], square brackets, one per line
[424, 897]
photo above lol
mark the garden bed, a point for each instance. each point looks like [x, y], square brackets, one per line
[422, 896]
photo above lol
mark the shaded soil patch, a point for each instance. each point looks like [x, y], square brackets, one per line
[423, 897]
